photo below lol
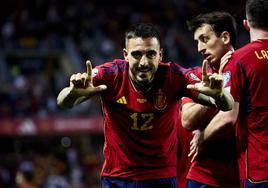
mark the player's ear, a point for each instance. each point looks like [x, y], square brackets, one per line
[161, 54]
[246, 24]
[225, 36]
[125, 53]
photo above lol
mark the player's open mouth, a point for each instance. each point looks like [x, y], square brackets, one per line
[144, 70]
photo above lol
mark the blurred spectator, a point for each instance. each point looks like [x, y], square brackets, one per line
[47, 38]
[25, 175]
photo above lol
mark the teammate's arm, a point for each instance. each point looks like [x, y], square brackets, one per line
[222, 123]
[192, 114]
[211, 90]
[80, 89]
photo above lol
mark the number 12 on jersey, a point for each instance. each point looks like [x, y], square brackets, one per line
[142, 121]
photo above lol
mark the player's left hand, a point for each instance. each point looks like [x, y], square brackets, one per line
[196, 145]
[211, 84]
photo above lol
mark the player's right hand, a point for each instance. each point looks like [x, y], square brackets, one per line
[211, 84]
[81, 83]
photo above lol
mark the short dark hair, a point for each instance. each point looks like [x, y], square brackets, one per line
[220, 21]
[143, 30]
[256, 11]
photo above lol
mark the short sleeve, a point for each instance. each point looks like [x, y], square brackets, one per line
[237, 80]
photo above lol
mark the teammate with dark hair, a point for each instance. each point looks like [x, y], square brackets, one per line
[249, 88]
[214, 164]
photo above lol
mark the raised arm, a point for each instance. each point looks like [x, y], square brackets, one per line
[80, 89]
[221, 122]
[211, 90]
[193, 114]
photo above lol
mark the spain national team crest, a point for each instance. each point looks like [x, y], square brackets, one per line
[160, 100]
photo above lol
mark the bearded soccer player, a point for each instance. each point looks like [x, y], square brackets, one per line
[140, 107]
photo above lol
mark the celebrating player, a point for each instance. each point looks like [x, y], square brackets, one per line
[140, 106]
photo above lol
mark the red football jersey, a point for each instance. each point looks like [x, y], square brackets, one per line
[184, 162]
[140, 128]
[217, 165]
[249, 88]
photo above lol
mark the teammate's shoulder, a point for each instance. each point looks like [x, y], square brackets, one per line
[193, 69]
[172, 68]
[248, 50]
[116, 66]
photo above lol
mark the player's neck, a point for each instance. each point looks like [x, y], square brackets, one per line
[215, 67]
[258, 34]
[141, 87]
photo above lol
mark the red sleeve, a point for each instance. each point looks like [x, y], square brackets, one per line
[186, 100]
[192, 75]
[236, 83]
[97, 76]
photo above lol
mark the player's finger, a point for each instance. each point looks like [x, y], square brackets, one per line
[195, 87]
[219, 82]
[91, 91]
[192, 87]
[204, 70]
[224, 60]
[89, 68]
[212, 81]
[192, 141]
[72, 78]
[191, 152]
[192, 146]
[84, 78]
[101, 88]
[194, 156]
[75, 79]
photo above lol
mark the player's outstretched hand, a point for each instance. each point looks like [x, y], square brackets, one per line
[211, 84]
[81, 83]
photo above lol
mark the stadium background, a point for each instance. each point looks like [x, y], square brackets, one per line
[42, 42]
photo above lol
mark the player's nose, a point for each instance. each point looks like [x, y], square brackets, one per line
[144, 60]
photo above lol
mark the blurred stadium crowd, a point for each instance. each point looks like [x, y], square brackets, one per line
[43, 42]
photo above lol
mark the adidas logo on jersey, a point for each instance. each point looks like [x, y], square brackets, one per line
[122, 100]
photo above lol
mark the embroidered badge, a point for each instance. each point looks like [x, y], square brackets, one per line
[160, 100]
